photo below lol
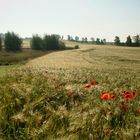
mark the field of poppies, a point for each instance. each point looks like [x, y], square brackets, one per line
[97, 99]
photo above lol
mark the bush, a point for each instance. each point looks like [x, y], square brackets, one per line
[36, 43]
[12, 42]
[62, 45]
[0, 43]
[76, 47]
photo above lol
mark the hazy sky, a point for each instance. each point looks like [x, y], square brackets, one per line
[84, 18]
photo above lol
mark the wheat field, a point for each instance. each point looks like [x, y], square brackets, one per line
[91, 56]
[88, 93]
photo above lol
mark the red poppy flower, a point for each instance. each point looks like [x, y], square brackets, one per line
[87, 86]
[129, 95]
[138, 111]
[105, 96]
[93, 83]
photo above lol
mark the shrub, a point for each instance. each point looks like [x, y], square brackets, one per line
[62, 45]
[36, 43]
[76, 47]
[12, 42]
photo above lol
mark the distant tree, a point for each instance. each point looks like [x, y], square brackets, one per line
[0, 43]
[86, 40]
[57, 36]
[83, 39]
[62, 37]
[36, 43]
[12, 42]
[98, 41]
[51, 42]
[92, 39]
[69, 37]
[129, 41]
[77, 38]
[2, 36]
[117, 41]
[104, 41]
[136, 40]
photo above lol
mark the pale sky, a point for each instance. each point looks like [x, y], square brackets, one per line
[84, 18]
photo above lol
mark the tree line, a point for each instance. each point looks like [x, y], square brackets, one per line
[12, 42]
[85, 40]
[134, 41]
[48, 42]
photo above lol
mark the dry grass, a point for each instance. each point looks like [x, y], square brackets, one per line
[91, 56]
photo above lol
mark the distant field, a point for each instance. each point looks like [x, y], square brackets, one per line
[26, 43]
[91, 56]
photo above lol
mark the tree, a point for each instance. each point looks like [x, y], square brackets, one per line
[36, 42]
[83, 39]
[51, 42]
[12, 42]
[104, 41]
[77, 38]
[136, 40]
[57, 36]
[117, 40]
[86, 40]
[129, 41]
[0, 43]
[62, 37]
[98, 41]
[92, 39]
[69, 37]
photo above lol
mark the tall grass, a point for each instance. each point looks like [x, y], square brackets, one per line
[62, 104]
